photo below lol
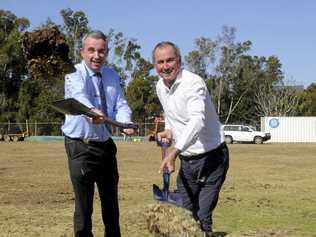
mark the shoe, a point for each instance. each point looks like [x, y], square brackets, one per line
[208, 234]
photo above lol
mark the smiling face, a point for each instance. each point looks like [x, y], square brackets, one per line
[167, 63]
[94, 52]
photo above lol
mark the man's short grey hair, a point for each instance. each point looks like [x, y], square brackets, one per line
[95, 34]
[163, 44]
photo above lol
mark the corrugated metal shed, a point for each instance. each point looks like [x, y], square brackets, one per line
[290, 129]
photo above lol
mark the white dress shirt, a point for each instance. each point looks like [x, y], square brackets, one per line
[190, 114]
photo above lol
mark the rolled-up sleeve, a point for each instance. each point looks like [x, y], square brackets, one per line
[122, 111]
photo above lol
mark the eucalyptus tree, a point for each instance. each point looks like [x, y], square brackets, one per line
[230, 85]
[200, 59]
[309, 106]
[243, 87]
[280, 100]
[141, 92]
[274, 94]
[135, 72]
[75, 27]
[218, 62]
[47, 54]
[123, 56]
[12, 62]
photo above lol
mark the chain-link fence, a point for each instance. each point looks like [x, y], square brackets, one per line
[17, 131]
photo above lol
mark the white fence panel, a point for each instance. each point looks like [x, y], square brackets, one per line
[290, 129]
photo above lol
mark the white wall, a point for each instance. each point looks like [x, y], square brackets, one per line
[290, 129]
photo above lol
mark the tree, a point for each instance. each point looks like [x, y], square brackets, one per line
[29, 91]
[277, 100]
[309, 97]
[141, 93]
[200, 59]
[46, 51]
[12, 62]
[134, 71]
[228, 72]
[142, 98]
[273, 95]
[237, 105]
[75, 27]
[217, 61]
[124, 55]
[241, 85]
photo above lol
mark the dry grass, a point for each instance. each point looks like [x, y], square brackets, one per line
[270, 190]
[167, 220]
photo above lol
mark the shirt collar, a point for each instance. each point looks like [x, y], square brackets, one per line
[176, 82]
[178, 78]
[89, 71]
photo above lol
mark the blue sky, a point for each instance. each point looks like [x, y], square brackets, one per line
[276, 27]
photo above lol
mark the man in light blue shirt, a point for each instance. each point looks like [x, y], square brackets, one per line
[90, 149]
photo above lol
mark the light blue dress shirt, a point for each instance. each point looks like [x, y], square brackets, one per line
[82, 85]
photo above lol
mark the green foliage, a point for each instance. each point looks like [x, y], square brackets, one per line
[75, 27]
[47, 53]
[199, 60]
[141, 92]
[35, 96]
[142, 98]
[134, 71]
[7, 23]
[309, 105]
[12, 63]
[124, 56]
[240, 84]
[28, 91]
[243, 87]
[221, 63]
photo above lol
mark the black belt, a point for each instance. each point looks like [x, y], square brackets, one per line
[200, 156]
[90, 142]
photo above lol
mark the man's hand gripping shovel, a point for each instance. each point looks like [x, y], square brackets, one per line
[164, 195]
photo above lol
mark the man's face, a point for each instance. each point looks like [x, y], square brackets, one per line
[94, 53]
[167, 64]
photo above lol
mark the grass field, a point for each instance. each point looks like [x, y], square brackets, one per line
[270, 190]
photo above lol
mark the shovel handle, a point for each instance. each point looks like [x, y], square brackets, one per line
[165, 175]
[119, 124]
[164, 147]
[166, 182]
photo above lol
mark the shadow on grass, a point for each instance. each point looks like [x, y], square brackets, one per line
[219, 234]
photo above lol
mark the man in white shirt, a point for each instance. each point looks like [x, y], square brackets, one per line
[192, 123]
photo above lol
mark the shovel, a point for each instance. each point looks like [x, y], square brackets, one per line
[164, 195]
[72, 106]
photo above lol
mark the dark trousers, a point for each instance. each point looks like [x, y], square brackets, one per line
[199, 182]
[91, 163]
